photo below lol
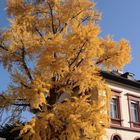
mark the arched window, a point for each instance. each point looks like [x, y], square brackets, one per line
[137, 139]
[116, 137]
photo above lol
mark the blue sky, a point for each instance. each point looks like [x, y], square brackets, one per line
[4, 78]
[120, 18]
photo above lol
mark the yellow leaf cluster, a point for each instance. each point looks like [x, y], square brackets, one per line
[115, 54]
[80, 121]
[54, 55]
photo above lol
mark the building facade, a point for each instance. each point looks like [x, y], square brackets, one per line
[124, 107]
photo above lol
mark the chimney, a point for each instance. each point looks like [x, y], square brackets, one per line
[128, 75]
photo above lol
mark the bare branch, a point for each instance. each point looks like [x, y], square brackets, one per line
[52, 18]
[24, 63]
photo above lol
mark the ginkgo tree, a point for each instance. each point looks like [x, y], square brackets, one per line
[54, 56]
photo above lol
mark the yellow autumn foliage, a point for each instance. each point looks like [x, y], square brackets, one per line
[54, 55]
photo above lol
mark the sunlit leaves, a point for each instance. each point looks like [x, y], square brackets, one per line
[54, 56]
[115, 54]
[75, 119]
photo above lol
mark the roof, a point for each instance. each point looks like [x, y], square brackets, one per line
[120, 78]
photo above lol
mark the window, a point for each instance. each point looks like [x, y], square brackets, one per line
[137, 138]
[134, 113]
[115, 108]
[115, 137]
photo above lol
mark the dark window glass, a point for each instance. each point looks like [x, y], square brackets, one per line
[134, 111]
[114, 108]
[116, 138]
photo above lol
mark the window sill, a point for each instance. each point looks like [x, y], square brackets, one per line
[135, 124]
[116, 121]
[134, 129]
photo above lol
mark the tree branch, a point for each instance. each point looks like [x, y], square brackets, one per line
[80, 51]
[66, 23]
[2, 47]
[16, 54]
[39, 33]
[79, 62]
[22, 104]
[52, 19]
[100, 61]
[26, 86]
[24, 63]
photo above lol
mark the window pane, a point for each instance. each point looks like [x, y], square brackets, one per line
[134, 111]
[116, 138]
[114, 108]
